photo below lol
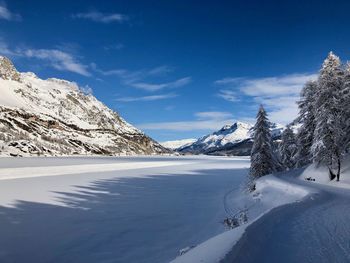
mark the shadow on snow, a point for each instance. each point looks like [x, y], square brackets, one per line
[119, 220]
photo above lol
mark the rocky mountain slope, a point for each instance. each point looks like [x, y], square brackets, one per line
[233, 139]
[55, 117]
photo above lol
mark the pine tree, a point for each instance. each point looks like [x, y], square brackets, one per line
[288, 148]
[306, 117]
[327, 147]
[345, 95]
[261, 155]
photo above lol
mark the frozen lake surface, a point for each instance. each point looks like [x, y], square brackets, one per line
[140, 209]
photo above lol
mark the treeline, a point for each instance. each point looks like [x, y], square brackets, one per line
[323, 136]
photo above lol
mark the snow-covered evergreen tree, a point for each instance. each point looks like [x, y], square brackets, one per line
[328, 142]
[306, 117]
[345, 95]
[288, 148]
[261, 155]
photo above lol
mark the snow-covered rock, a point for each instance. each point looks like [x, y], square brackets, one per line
[59, 118]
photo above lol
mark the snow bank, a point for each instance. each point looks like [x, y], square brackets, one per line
[321, 174]
[273, 192]
[214, 249]
[270, 192]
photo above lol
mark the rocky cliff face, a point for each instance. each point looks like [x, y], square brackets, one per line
[54, 117]
[8, 70]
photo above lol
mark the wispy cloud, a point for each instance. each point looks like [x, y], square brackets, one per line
[213, 115]
[100, 17]
[6, 14]
[159, 71]
[276, 86]
[203, 121]
[116, 72]
[58, 59]
[138, 79]
[5, 49]
[228, 95]
[147, 98]
[228, 80]
[133, 76]
[278, 94]
[155, 87]
[118, 46]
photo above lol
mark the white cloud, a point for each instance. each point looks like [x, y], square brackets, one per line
[58, 59]
[127, 75]
[6, 14]
[102, 17]
[116, 72]
[276, 86]
[154, 87]
[5, 50]
[209, 120]
[228, 95]
[136, 79]
[278, 94]
[161, 70]
[147, 98]
[216, 115]
[226, 81]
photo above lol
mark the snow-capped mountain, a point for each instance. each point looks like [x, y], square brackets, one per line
[177, 144]
[55, 116]
[233, 139]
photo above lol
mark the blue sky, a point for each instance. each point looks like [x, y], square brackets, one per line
[179, 69]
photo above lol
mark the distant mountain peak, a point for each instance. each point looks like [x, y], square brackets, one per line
[236, 125]
[177, 144]
[237, 136]
[8, 70]
[226, 127]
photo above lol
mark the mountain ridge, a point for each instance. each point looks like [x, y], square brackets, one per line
[176, 144]
[55, 116]
[235, 139]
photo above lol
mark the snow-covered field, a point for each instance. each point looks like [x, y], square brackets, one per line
[146, 209]
[95, 209]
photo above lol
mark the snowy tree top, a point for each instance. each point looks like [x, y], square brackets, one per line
[331, 61]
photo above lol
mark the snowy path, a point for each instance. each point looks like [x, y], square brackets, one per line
[314, 230]
[78, 210]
